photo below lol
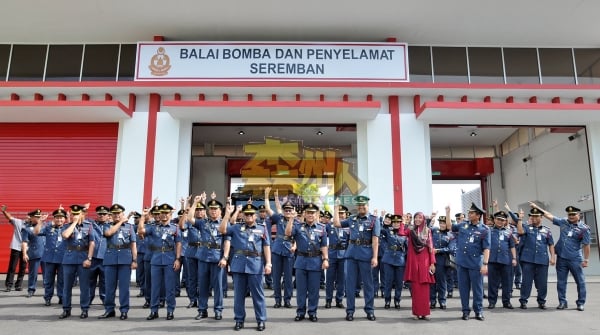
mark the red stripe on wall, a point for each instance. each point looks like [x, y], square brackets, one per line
[394, 108]
[153, 109]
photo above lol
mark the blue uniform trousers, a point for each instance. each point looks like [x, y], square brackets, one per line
[210, 275]
[563, 267]
[53, 274]
[163, 278]
[307, 283]
[112, 274]
[97, 279]
[439, 290]
[147, 281]
[282, 266]
[335, 276]
[191, 284]
[394, 275]
[70, 271]
[242, 283]
[360, 270]
[140, 273]
[470, 280]
[378, 277]
[499, 274]
[33, 268]
[534, 273]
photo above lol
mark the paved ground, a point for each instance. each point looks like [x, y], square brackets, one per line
[21, 315]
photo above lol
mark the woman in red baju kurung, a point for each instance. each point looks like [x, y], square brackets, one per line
[420, 265]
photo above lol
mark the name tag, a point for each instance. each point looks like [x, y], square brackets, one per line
[185, 233]
[214, 233]
[361, 228]
[570, 234]
[251, 238]
[341, 233]
[539, 237]
[164, 236]
[501, 237]
[312, 236]
[120, 235]
[59, 238]
[471, 239]
[79, 236]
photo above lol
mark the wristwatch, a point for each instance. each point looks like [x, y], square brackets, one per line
[89, 259]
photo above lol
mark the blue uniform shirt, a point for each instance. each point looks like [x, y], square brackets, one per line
[100, 246]
[211, 249]
[501, 242]
[35, 244]
[78, 243]
[572, 236]
[54, 249]
[247, 244]
[395, 245]
[193, 240]
[471, 240]
[337, 240]
[534, 244]
[282, 245]
[309, 241]
[118, 249]
[362, 230]
[163, 242]
[141, 244]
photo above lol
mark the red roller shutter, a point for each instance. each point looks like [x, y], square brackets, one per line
[44, 165]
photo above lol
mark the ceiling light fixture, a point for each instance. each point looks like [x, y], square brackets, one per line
[319, 133]
[241, 132]
[473, 134]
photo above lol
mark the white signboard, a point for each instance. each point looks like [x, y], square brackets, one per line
[168, 61]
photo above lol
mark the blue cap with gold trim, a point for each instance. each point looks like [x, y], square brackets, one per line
[310, 207]
[361, 200]
[59, 212]
[165, 208]
[116, 208]
[102, 210]
[214, 204]
[36, 213]
[287, 205]
[500, 215]
[76, 209]
[535, 212]
[396, 218]
[442, 218]
[476, 209]
[572, 210]
[249, 209]
[200, 206]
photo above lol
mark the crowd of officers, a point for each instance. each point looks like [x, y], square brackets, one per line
[290, 247]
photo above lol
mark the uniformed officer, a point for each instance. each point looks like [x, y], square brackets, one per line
[32, 248]
[572, 251]
[251, 245]
[472, 255]
[336, 272]
[282, 251]
[210, 274]
[54, 251]
[79, 237]
[444, 245]
[165, 243]
[120, 258]
[393, 261]
[537, 251]
[503, 257]
[140, 275]
[311, 259]
[192, 253]
[262, 218]
[155, 215]
[361, 255]
[97, 268]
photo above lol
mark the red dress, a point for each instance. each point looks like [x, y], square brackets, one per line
[417, 273]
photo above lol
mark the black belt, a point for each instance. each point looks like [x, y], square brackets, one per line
[210, 245]
[396, 247]
[338, 247]
[120, 246]
[309, 254]
[284, 237]
[248, 253]
[162, 249]
[361, 242]
[79, 247]
[195, 244]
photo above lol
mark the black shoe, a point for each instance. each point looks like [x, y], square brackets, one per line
[371, 317]
[432, 305]
[327, 304]
[203, 314]
[299, 317]
[225, 294]
[8, 289]
[192, 304]
[357, 295]
[29, 294]
[465, 316]
[562, 306]
[491, 306]
[146, 304]
[287, 304]
[524, 306]
[340, 304]
[442, 306]
[507, 306]
[260, 326]
[540, 306]
[580, 308]
[479, 316]
[449, 295]
[60, 301]
[277, 305]
[322, 287]
[387, 305]
[397, 304]
[139, 295]
[83, 315]
[64, 315]
[313, 318]
[349, 317]
[170, 316]
[178, 294]
[218, 316]
[238, 326]
[47, 303]
[162, 304]
[518, 286]
[107, 315]
[18, 289]
[376, 294]
[152, 316]
[123, 316]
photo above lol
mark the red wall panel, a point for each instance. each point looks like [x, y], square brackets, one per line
[44, 165]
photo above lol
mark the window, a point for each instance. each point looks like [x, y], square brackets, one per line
[521, 66]
[589, 219]
[419, 61]
[485, 65]
[450, 65]
[4, 57]
[27, 63]
[127, 62]
[100, 62]
[587, 62]
[64, 62]
[557, 66]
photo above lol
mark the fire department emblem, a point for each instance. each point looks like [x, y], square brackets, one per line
[160, 64]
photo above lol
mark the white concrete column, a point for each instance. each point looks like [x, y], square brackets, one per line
[167, 160]
[593, 141]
